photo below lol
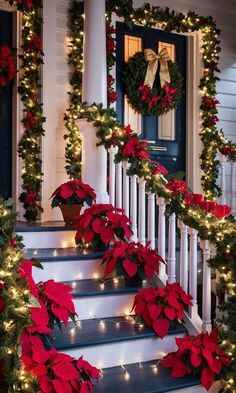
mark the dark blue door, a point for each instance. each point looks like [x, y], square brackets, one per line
[166, 134]
[6, 115]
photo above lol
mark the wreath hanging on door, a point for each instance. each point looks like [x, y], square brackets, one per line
[154, 88]
[7, 66]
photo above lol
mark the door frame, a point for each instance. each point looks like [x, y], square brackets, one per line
[17, 129]
[193, 99]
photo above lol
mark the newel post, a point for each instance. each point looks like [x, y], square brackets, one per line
[94, 159]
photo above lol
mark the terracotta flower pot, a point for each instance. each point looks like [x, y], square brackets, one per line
[70, 212]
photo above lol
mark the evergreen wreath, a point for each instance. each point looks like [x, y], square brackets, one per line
[144, 100]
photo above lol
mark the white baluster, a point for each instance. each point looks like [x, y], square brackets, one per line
[125, 188]
[141, 212]
[206, 290]
[151, 220]
[183, 256]
[112, 173]
[119, 185]
[223, 188]
[133, 206]
[233, 188]
[162, 236]
[172, 249]
[193, 271]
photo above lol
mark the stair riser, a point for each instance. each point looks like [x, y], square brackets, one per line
[125, 352]
[215, 388]
[104, 306]
[50, 239]
[69, 270]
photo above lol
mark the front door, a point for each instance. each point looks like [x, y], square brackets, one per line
[166, 134]
[6, 115]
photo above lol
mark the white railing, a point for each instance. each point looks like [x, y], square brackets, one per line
[149, 223]
[227, 182]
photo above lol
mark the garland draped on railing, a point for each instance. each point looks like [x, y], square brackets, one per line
[29, 89]
[221, 232]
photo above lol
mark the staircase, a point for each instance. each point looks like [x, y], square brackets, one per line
[105, 333]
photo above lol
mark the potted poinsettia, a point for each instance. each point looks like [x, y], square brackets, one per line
[100, 224]
[70, 197]
[161, 308]
[133, 261]
[196, 355]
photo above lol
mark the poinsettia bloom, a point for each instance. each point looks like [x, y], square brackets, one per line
[136, 148]
[25, 272]
[110, 29]
[85, 367]
[212, 121]
[201, 352]
[159, 169]
[58, 299]
[170, 93]
[35, 43]
[210, 102]
[193, 199]
[2, 304]
[102, 222]
[30, 121]
[226, 150]
[132, 258]
[112, 96]
[219, 211]
[177, 186]
[73, 192]
[7, 65]
[40, 318]
[26, 3]
[30, 198]
[161, 307]
[111, 46]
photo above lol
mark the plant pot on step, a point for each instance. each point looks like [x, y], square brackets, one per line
[135, 281]
[70, 212]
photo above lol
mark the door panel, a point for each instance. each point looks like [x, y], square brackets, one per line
[166, 134]
[6, 115]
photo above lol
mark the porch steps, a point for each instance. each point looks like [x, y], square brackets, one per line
[105, 334]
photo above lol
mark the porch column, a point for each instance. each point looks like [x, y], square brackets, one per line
[94, 159]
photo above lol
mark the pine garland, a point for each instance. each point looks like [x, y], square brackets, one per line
[14, 305]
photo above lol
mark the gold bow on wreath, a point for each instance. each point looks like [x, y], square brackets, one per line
[153, 59]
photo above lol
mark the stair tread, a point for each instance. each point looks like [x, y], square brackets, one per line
[62, 254]
[90, 333]
[92, 287]
[142, 379]
[48, 226]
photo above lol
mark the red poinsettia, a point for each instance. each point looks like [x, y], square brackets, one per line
[219, 211]
[29, 198]
[159, 169]
[7, 65]
[25, 272]
[209, 102]
[111, 93]
[160, 308]
[169, 95]
[177, 186]
[111, 46]
[74, 192]
[102, 223]
[56, 372]
[35, 43]
[193, 199]
[198, 354]
[25, 3]
[30, 120]
[211, 121]
[40, 319]
[132, 258]
[136, 148]
[57, 298]
[146, 95]
[2, 304]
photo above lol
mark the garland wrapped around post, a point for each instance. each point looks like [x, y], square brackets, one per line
[210, 220]
[15, 300]
[73, 146]
[29, 88]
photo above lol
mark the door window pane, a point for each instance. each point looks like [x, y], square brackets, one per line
[166, 123]
[132, 45]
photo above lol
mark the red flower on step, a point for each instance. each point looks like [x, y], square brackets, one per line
[57, 298]
[56, 372]
[131, 258]
[160, 308]
[40, 318]
[198, 352]
[74, 192]
[177, 186]
[101, 223]
[136, 148]
[25, 272]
